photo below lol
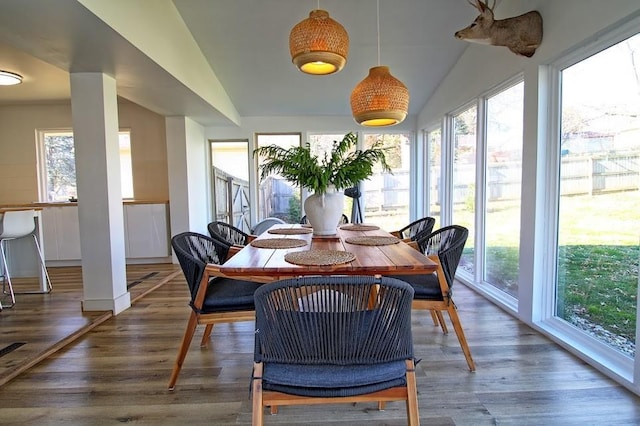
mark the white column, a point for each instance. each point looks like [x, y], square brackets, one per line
[532, 290]
[95, 128]
[189, 179]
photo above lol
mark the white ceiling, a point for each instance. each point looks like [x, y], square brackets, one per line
[246, 44]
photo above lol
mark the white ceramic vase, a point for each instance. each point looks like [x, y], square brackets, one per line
[324, 211]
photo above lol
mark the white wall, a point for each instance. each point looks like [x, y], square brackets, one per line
[18, 160]
[304, 124]
[189, 187]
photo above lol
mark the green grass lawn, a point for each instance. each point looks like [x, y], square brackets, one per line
[600, 284]
[599, 255]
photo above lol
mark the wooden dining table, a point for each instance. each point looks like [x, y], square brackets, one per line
[394, 257]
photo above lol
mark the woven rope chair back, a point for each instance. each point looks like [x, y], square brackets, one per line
[334, 320]
[194, 251]
[419, 228]
[227, 232]
[448, 243]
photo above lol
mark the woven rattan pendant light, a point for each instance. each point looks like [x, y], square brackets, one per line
[380, 99]
[319, 45]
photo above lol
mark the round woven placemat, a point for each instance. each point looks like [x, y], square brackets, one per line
[319, 257]
[290, 231]
[373, 240]
[278, 243]
[359, 227]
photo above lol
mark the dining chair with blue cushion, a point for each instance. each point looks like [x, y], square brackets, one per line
[435, 291]
[213, 298]
[229, 233]
[322, 340]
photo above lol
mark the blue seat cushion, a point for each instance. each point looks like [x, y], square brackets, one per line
[425, 286]
[333, 380]
[227, 294]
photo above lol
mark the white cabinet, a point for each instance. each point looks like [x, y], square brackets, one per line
[61, 233]
[146, 230]
[145, 227]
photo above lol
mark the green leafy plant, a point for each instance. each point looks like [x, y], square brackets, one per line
[343, 168]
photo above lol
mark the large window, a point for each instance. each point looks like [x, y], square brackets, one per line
[504, 111]
[464, 178]
[58, 168]
[230, 174]
[434, 143]
[277, 197]
[491, 253]
[599, 195]
[321, 145]
[386, 195]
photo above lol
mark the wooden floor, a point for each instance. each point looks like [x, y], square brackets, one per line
[118, 372]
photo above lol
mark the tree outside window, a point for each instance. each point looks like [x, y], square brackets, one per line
[58, 182]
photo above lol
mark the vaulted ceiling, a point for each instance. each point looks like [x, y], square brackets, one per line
[245, 42]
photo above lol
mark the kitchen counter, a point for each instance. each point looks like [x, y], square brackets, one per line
[146, 230]
[39, 205]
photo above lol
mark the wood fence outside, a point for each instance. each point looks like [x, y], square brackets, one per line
[581, 175]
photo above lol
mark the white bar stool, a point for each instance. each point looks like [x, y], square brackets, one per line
[18, 224]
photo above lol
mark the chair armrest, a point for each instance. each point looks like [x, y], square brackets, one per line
[414, 245]
[232, 251]
[213, 270]
[251, 238]
[396, 234]
[210, 270]
[442, 280]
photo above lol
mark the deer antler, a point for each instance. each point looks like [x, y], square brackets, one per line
[482, 6]
[477, 4]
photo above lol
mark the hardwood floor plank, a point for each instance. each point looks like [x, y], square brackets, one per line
[118, 373]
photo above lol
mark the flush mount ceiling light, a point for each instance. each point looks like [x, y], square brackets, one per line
[9, 78]
[319, 45]
[380, 99]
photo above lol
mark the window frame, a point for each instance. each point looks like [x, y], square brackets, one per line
[600, 354]
[425, 176]
[487, 288]
[41, 162]
[449, 156]
[256, 172]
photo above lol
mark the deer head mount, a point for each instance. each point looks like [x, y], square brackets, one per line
[521, 34]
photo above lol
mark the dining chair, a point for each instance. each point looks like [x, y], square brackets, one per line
[265, 224]
[229, 233]
[415, 229]
[214, 298]
[334, 339]
[434, 291]
[18, 224]
[410, 234]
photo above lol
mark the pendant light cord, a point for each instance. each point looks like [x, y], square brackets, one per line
[318, 8]
[378, 28]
